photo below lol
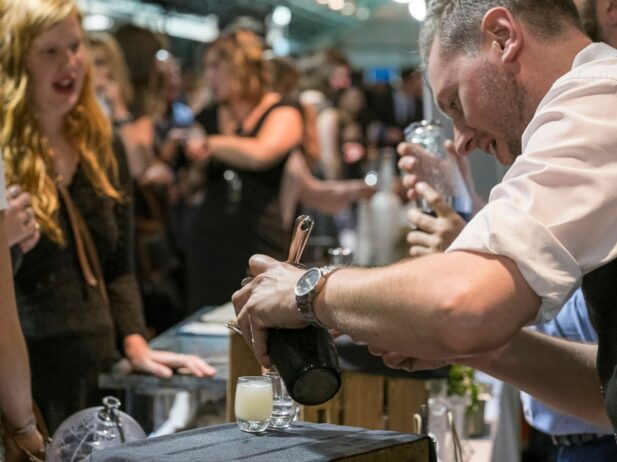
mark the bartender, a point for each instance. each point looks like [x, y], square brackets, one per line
[521, 80]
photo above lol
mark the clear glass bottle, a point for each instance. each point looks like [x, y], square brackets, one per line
[440, 170]
[385, 214]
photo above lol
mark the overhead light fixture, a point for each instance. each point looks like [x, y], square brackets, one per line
[322, 2]
[401, 1]
[363, 13]
[336, 5]
[97, 22]
[197, 28]
[417, 9]
[281, 16]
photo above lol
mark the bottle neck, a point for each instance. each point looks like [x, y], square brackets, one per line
[386, 173]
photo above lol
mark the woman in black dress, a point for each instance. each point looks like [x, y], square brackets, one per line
[57, 145]
[250, 133]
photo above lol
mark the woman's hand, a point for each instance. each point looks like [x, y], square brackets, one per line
[197, 146]
[163, 363]
[19, 444]
[21, 225]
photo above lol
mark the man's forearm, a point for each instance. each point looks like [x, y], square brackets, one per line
[559, 372]
[438, 307]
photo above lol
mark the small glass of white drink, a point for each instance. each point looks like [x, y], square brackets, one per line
[253, 403]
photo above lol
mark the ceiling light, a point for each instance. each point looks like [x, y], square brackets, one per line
[336, 5]
[401, 1]
[349, 9]
[96, 22]
[281, 16]
[417, 9]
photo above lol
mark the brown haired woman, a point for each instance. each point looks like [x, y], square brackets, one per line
[251, 132]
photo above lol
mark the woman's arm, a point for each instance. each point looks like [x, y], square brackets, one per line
[327, 134]
[280, 133]
[125, 299]
[15, 391]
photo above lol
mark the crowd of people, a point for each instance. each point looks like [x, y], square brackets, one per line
[128, 201]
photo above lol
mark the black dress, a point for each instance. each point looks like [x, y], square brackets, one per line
[240, 216]
[70, 331]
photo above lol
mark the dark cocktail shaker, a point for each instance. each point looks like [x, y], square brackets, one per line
[306, 359]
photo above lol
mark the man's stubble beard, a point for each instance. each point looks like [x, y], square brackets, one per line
[514, 107]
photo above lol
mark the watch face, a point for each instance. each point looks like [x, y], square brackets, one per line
[307, 282]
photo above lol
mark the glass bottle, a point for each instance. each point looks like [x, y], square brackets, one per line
[439, 169]
[385, 214]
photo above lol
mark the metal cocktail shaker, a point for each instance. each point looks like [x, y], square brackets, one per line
[306, 359]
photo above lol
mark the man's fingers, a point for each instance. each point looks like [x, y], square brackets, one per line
[419, 251]
[419, 238]
[396, 361]
[260, 345]
[434, 199]
[260, 263]
[407, 164]
[423, 221]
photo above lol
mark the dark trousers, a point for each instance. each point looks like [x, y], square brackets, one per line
[600, 450]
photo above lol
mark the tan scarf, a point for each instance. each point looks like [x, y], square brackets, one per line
[86, 250]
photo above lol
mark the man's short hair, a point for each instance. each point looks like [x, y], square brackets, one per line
[456, 23]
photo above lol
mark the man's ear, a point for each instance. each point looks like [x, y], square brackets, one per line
[503, 33]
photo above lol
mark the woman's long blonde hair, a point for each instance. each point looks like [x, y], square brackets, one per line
[25, 149]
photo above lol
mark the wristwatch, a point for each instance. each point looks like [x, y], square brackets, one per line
[309, 284]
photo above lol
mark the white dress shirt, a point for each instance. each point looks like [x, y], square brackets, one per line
[555, 212]
[3, 204]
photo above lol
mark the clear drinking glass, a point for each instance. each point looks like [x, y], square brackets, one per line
[253, 403]
[283, 407]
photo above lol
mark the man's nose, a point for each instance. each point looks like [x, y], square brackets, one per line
[464, 141]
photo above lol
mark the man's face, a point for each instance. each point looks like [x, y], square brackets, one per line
[488, 107]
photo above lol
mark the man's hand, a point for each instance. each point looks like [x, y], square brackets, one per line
[419, 165]
[432, 234]
[396, 361]
[266, 301]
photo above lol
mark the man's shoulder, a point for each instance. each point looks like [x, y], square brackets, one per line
[595, 63]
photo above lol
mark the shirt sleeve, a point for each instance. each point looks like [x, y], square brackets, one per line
[3, 203]
[555, 212]
[122, 287]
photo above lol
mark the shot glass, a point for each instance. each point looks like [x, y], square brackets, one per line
[253, 403]
[283, 407]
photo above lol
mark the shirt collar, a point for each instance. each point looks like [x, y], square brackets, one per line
[594, 52]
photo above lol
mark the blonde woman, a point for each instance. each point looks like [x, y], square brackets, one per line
[57, 145]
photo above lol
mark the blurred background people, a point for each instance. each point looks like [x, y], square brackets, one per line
[158, 265]
[250, 132]
[395, 108]
[76, 291]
